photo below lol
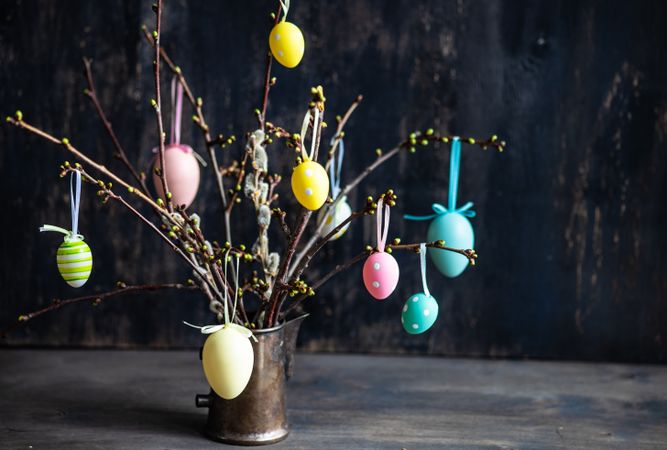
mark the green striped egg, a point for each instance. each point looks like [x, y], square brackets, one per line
[75, 262]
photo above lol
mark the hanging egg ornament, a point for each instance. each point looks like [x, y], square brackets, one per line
[182, 174]
[334, 217]
[75, 261]
[228, 359]
[381, 275]
[381, 271]
[419, 313]
[287, 44]
[310, 185]
[457, 232]
[450, 223]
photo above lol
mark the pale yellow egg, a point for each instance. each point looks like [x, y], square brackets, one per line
[287, 44]
[310, 184]
[334, 217]
[228, 359]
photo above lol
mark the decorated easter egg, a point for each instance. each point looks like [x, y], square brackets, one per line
[75, 261]
[334, 217]
[228, 359]
[419, 313]
[457, 232]
[310, 185]
[287, 44]
[380, 275]
[182, 170]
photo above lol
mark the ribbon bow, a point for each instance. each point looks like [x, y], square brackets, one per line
[438, 209]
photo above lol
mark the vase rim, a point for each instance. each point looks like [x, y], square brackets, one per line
[282, 325]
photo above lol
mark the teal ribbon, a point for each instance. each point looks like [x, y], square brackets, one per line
[438, 209]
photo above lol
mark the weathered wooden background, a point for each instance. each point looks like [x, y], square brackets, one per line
[571, 226]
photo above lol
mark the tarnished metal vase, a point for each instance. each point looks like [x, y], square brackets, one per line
[257, 416]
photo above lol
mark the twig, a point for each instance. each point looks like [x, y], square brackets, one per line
[267, 77]
[91, 93]
[157, 105]
[96, 298]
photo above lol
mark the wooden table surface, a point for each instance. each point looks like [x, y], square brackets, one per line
[103, 399]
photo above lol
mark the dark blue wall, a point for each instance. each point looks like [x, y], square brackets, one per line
[570, 227]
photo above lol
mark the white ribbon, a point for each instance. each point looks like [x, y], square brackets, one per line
[422, 267]
[304, 130]
[336, 167]
[75, 201]
[210, 329]
[285, 6]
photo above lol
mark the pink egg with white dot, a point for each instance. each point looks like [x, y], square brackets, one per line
[380, 275]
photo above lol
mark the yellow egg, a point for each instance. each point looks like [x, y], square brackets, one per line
[310, 185]
[228, 359]
[287, 44]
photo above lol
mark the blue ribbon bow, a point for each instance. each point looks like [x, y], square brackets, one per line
[438, 209]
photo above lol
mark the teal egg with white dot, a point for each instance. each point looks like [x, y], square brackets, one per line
[419, 313]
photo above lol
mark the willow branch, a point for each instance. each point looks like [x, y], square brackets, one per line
[95, 298]
[91, 93]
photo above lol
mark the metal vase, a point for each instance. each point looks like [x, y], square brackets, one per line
[257, 416]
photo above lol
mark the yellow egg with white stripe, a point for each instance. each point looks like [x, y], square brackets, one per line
[310, 184]
[75, 262]
[287, 44]
[333, 217]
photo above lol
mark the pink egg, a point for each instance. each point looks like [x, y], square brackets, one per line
[182, 171]
[380, 275]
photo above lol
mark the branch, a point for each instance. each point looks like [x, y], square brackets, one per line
[280, 214]
[157, 105]
[409, 144]
[268, 82]
[468, 253]
[96, 298]
[19, 122]
[91, 93]
[200, 120]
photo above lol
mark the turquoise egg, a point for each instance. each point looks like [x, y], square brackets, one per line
[419, 313]
[456, 231]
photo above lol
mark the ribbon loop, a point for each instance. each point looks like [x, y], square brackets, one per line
[422, 268]
[304, 129]
[382, 233]
[438, 209]
[176, 110]
[284, 4]
[75, 201]
[336, 166]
